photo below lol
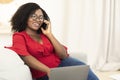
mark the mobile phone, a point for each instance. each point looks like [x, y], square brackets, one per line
[44, 26]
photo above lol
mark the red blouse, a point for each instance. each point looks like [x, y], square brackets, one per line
[24, 45]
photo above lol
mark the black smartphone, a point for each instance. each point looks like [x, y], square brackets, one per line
[44, 26]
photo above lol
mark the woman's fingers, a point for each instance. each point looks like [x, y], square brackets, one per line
[46, 22]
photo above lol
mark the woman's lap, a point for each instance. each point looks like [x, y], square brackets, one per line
[73, 62]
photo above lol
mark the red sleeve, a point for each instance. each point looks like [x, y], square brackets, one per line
[19, 45]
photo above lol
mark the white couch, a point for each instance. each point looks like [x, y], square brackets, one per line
[11, 65]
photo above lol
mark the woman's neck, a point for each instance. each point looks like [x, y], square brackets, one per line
[30, 32]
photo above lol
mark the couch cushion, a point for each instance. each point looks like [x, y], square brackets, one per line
[12, 67]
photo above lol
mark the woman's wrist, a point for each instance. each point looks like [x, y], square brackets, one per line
[49, 35]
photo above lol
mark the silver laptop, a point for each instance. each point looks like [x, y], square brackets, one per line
[70, 73]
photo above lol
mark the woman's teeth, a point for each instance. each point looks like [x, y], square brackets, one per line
[36, 24]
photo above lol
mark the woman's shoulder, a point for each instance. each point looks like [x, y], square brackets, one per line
[20, 33]
[20, 36]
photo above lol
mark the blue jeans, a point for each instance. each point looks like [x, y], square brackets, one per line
[72, 62]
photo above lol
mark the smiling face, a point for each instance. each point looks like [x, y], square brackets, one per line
[35, 20]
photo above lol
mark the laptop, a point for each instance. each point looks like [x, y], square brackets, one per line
[70, 73]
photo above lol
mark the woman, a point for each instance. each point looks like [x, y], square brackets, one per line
[34, 42]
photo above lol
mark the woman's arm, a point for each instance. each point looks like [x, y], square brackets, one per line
[35, 64]
[59, 49]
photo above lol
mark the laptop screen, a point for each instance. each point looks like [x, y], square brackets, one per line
[69, 73]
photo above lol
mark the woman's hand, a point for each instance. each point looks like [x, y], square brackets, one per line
[48, 73]
[48, 28]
